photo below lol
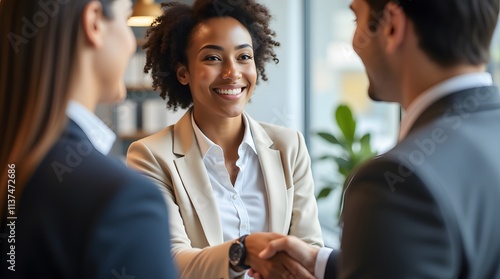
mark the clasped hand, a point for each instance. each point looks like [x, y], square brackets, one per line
[271, 256]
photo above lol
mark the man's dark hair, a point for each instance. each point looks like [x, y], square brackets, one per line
[451, 32]
[168, 37]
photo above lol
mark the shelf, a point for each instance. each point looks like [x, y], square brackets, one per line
[140, 96]
[140, 88]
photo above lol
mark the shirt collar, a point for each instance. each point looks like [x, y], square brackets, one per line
[443, 89]
[204, 143]
[101, 137]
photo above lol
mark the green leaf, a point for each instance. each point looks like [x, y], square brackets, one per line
[346, 123]
[343, 163]
[354, 150]
[329, 137]
[326, 157]
[324, 193]
[365, 141]
[344, 171]
[366, 151]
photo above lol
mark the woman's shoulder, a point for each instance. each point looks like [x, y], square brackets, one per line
[162, 136]
[278, 135]
[273, 130]
[157, 144]
[277, 128]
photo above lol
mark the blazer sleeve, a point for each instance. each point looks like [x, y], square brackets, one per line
[393, 231]
[195, 263]
[131, 237]
[304, 223]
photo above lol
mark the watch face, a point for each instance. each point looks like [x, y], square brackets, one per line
[235, 253]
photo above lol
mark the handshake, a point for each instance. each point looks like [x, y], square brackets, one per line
[272, 255]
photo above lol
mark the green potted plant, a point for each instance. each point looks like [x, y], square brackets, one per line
[354, 150]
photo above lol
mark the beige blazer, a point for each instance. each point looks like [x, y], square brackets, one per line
[172, 159]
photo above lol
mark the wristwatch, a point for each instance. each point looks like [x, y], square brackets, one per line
[237, 253]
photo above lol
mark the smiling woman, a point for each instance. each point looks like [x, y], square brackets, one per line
[221, 72]
[231, 184]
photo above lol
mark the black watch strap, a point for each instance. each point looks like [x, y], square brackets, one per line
[242, 264]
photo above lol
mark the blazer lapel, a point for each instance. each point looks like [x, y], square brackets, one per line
[460, 103]
[195, 179]
[274, 178]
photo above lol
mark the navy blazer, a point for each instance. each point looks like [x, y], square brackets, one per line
[429, 208]
[85, 215]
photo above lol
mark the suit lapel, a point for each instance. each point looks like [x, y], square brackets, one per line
[272, 170]
[460, 103]
[195, 179]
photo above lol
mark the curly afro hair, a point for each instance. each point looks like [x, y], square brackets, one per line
[168, 37]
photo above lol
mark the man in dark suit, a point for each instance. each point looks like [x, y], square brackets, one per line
[429, 207]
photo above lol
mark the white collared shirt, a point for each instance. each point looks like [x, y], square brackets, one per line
[101, 137]
[443, 89]
[243, 209]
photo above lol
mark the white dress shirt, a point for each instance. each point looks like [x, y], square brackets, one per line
[101, 137]
[243, 209]
[440, 90]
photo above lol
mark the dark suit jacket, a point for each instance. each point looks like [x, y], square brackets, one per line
[430, 207]
[84, 215]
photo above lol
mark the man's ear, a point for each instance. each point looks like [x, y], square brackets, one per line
[182, 75]
[93, 23]
[395, 27]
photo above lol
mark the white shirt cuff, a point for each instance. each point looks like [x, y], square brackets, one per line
[321, 261]
[233, 273]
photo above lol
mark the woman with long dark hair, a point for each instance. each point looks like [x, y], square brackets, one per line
[68, 210]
